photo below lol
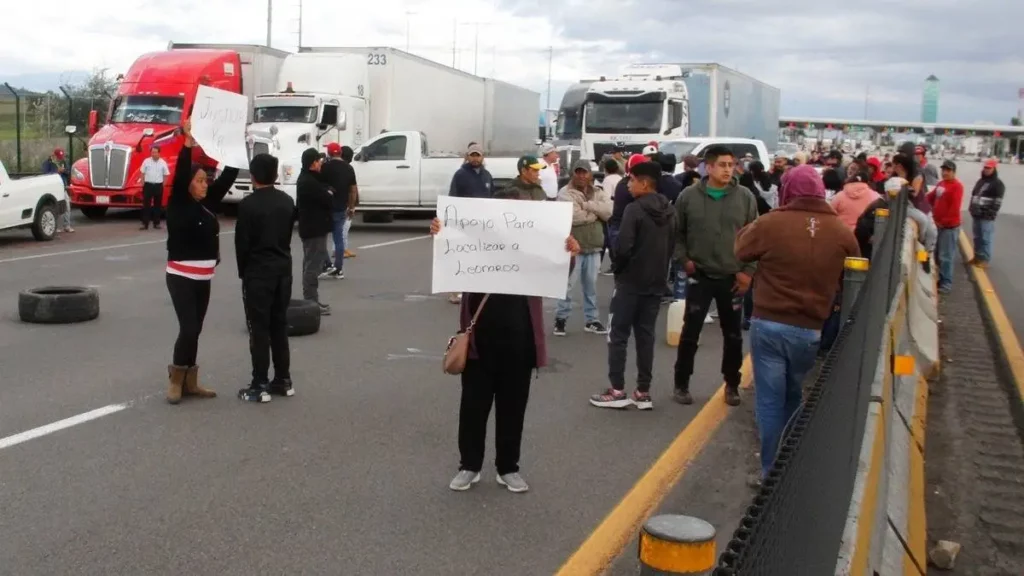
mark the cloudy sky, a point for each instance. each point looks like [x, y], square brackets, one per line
[830, 58]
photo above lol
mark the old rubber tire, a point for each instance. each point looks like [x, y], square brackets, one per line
[58, 305]
[303, 317]
[94, 212]
[44, 227]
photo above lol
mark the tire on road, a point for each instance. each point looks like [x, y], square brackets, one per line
[303, 317]
[44, 226]
[58, 305]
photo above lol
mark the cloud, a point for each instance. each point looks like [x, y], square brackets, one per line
[825, 57]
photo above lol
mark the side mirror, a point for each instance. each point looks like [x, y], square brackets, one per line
[342, 121]
[69, 129]
[94, 122]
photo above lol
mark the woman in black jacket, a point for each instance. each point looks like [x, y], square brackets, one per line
[193, 252]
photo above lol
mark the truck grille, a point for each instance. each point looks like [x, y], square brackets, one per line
[108, 166]
[257, 148]
[606, 148]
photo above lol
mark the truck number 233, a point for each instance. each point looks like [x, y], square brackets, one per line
[377, 59]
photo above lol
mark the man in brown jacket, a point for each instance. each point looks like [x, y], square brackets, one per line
[800, 249]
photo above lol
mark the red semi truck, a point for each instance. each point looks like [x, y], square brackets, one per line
[152, 101]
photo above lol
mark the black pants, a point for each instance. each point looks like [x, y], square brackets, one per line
[152, 199]
[748, 304]
[266, 314]
[639, 314]
[190, 298]
[700, 292]
[484, 384]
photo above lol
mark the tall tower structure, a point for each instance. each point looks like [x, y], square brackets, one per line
[930, 100]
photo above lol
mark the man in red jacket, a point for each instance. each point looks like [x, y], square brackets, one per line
[946, 200]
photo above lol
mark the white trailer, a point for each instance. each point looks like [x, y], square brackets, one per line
[510, 127]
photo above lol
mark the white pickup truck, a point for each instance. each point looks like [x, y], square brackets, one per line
[395, 174]
[33, 202]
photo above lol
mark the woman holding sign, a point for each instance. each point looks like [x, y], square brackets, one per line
[193, 252]
[506, 346]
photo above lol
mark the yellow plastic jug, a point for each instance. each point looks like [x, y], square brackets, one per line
[674, 325]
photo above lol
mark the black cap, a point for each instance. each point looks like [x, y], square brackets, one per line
[309, 156]
[949, 165]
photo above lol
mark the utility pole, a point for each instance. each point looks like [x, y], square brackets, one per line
[867, 97]
[300, 24]
[476, 48]
[407, 35]
[551, 55]
[455, 39]
[270, 18]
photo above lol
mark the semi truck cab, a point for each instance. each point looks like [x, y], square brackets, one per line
[647, 102]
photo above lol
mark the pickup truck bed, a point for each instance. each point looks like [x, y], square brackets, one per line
[33, 203]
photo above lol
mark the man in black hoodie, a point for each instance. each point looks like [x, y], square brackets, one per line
[315, 204]
[986, 200]
[263, 240]
[645, 244]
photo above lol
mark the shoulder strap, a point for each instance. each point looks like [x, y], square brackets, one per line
[476, 314]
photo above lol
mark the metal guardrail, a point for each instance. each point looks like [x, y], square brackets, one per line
[795, 523]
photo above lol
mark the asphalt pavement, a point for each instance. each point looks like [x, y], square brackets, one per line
[347, 477]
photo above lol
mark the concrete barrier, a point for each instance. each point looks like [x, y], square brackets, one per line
[885, 528]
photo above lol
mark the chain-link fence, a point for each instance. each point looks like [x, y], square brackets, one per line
[32, 126]
[795, 523]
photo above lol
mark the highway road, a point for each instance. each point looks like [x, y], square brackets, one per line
[349, 476]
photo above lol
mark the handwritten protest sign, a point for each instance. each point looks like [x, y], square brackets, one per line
[502, 246]
[218, 125]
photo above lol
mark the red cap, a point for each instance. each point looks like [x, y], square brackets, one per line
[653, 143]
[333, 149]
[634, 160]
[59, 153]
[991, 163]
[874, 161]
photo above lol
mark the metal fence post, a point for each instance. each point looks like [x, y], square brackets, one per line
[672, 544]
[854, 274]
[17, 122]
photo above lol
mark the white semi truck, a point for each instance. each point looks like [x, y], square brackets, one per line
[354, 95]
[660, 102]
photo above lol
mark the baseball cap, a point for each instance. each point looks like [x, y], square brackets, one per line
[58, 152]
[949, 165]
[528, 162]
[333, 149]
[475, 148]
[875, 161]
[650, 150]
[309, 156]
[581, 165]
[991, 163]
[546, 149]
[634, 160]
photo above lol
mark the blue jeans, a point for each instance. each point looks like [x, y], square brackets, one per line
[984, 230]
[782, 356]
[586, 271]
[338, 233]
[945, 253]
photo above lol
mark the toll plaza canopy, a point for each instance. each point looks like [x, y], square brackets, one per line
[847, 125]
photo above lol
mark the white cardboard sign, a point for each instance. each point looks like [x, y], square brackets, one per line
[502, 247]
[218, 125]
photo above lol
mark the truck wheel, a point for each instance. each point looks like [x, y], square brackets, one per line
[378, 217]
[44, 227]
[94, 212]
[58, 305]
[303, 317]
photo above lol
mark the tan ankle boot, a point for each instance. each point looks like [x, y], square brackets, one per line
[192, 387]
[175, 383]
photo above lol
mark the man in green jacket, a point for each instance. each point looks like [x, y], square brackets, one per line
[591, 208]
[708, 215]
[526, 186]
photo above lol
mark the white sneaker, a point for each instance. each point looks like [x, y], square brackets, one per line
[464, 480]
[514, 482]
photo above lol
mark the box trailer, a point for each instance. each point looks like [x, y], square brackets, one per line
[728, 103]
[509, 118]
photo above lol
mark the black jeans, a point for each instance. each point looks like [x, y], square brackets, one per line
[700, 292]
[266, 314]
[152, 199]
[637, 313]
[314, 254]
[190, 299]
[508, 389]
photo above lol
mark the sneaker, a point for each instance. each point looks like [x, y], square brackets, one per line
[611, 398]
[464, 480]
[455, 298]
[282, 387]
[327, 272]
[642, 400]
[514, 482]
[336, 275]
[709, 319]
[256, 392]
[607, 272]
[559, 326]
[595, 327]
[945, 289]
[325, 309]
[682, 397]
[349, 254]
[732, 396]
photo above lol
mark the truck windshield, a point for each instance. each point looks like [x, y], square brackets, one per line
[624, 117]
[569, 125]
[147, 110]
[300, 114]
[678, 149]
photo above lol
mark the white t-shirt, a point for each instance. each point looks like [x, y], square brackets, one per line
[610, 182]
[154, 172]
[549, 180]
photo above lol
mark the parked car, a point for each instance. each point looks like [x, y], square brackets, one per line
[34, 203]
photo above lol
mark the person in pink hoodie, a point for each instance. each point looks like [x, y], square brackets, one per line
[855, 197]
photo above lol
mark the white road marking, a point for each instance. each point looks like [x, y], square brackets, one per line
[60, 425]
[382, 244]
